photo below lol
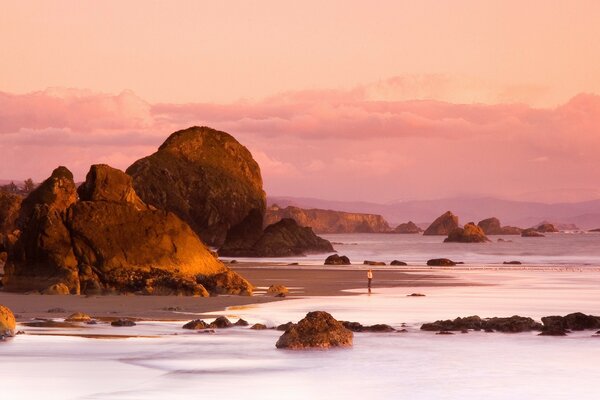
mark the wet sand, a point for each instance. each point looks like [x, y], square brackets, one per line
[302, 281]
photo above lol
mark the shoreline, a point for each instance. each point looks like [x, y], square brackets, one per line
[302, 282]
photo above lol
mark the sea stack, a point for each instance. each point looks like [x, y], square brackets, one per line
[443, 225]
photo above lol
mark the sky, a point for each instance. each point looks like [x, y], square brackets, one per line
[344, 100]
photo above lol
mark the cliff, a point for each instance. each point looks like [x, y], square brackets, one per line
[329, 221]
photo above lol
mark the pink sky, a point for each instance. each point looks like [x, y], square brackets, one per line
[349, 100]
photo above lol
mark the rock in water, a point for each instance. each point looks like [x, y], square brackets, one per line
[278, 290]
[317, 330]
[109, 241]
[282, 239]
[441, 262]
[471, 233]
[408, 228]
[398, 263]
[208, 179]
[7, 322]
[334, 259]
[491, 226]
[443, 225]
[546, 228]
[530, 232]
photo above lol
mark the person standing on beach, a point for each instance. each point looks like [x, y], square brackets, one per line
[369, 278]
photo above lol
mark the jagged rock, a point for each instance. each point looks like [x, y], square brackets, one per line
[104, 183]
[491, 226]
[373, 263]
[335, 259]
[220, 322]
[10, 204]
[277, 290]
[122, 322]
[501, 324]
[329, 221]
[317, 330]
[398, 263]
[208, 179]
[443, 225]
[530, 232]
[78, 317]
[285, 327]
[283, 239]
[546, 228]
[241, 322]
[42, 255]
[8, 323]
[358, 327]
[471, 233]
[258, 327]
[108, 242]
[196, 324]
[557, 326]
[407, 228]
[226, 282]
[441, 262]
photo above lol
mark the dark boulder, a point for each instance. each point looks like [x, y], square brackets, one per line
[196, 324]
[317, 330]
[282, 239]
[285, 327]
[512, 263]
[555, 325]
[530, 232]
[373, 263]
[512, 324]
[491, 226]
[443, 225]
[398, 263]
[208, 179]
[220, 322]
[335, 259]
[241, 322]
[440, 262]
[358, 327]
[258, 327]
[407, 228]
[471, 233]
[123, 322]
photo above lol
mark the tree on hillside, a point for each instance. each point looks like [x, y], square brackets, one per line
[28, 185]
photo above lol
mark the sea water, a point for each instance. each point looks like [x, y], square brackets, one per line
[554, 248]
[239, 363]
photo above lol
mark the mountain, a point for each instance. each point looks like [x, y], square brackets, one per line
[586, 215]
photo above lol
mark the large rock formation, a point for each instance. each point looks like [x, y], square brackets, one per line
[407, 228]
[471, 233]
[282, 239]
[491, 226]
[108, 241]
[443, 225]
[208, 179]
[317, 330]
[9, 211]
[329, 221]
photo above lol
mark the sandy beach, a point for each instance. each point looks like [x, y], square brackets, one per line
[302, 280]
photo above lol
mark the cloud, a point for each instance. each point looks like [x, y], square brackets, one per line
[324, 142]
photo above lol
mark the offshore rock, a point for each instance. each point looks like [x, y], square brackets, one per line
[407, 228]
[491, 226]
[317, 330]
[471, 233]
[443, 225]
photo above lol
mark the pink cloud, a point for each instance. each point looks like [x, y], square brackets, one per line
[322, 143]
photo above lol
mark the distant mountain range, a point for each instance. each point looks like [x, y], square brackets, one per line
[586, 214]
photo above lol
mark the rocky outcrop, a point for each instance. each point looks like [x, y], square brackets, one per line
[108, 241]
[443, 225]
[208, 179]
[9, 211]
[283, 239]
[329, 221]
[491, 226]
[196, 324]
[512, 324]
[570, 322]
[407, 228]
[471, 233]
[335, 259]
[398, 263]
[441, 262]
[530, 232]
[317, 330]
[278, 290]
[358, 327]
[8, 323]
[546, 227]
[225, 282]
